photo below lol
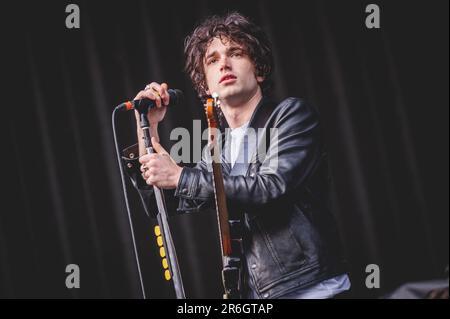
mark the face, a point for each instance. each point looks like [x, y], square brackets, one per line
[230, 72]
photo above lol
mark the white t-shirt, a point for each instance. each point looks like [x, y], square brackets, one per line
[236, 136]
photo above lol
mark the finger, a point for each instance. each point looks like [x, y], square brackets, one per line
[151, 162]
[157, 98]
[165, 93]
[141, 95]
[157, 147]
[151, 180]
[157, 91]
[146, 94]
[155, 87]
[145, 158]
[150, 173]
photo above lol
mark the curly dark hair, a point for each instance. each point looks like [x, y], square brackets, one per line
[237, 28]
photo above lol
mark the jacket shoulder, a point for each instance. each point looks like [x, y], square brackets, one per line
[295, 109]
[295, 104]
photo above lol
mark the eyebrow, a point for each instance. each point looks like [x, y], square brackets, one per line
[230, 49]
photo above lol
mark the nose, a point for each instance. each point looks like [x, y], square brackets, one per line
[225, 64]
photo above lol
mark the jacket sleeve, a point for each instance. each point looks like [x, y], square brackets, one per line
[293, 153]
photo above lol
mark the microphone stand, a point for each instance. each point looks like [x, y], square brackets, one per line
[162, 216]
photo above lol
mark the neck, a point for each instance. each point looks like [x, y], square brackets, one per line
[237, 114]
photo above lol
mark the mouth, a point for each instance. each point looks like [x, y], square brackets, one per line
[227, 78]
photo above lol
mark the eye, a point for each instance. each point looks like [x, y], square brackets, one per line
[211, 61]
[236, 54]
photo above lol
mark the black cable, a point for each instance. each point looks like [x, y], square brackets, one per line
[124, 188]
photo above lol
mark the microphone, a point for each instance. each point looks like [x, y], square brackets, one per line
[144, 105]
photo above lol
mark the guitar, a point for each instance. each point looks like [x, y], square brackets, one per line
[229, 230]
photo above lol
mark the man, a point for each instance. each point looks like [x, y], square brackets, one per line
[290, 243]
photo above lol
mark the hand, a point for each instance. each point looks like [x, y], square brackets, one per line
[158, 93]
[159, 168]
[441, 293]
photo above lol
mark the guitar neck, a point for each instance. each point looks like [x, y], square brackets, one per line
[222, 210]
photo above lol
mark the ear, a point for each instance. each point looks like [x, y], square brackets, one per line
[260, 79]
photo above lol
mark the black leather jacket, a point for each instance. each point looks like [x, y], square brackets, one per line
[290, 237]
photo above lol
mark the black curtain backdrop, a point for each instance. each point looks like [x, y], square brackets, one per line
[382, 95]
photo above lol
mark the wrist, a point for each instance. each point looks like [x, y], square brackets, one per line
[177, 176]
[154, 131]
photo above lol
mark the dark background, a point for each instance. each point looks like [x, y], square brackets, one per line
[382, 95]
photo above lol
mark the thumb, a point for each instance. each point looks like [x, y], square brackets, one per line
[157, 147]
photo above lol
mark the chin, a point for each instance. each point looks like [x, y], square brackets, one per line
[228, 92]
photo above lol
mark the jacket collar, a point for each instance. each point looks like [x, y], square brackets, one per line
[260, 115]
[258, 120]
